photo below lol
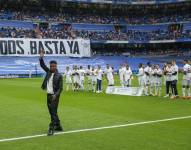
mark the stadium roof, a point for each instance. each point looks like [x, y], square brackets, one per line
[122, 2]
[129, 2]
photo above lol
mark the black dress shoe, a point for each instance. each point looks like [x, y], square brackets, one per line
[50, 132]
[58, 128]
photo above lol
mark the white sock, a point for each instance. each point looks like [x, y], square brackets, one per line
[159, 90]
[156, 90]
[183, 92]
[152, 90]
[146, 90]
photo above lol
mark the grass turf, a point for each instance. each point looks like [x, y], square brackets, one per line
[23, 112]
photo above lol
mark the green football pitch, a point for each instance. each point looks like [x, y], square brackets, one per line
[91, 121]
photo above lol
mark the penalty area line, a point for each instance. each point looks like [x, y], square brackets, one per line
[94, 129]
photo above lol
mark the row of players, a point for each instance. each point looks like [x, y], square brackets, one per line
[150, 78]
[75, 77]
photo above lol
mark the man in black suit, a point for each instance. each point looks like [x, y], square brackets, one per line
[53, 85]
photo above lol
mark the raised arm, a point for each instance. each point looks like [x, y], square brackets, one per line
[42, 64]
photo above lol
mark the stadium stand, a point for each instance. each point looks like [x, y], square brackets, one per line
[109, 33]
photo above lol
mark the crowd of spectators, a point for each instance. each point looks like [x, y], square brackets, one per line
[146, 52]
[93, 18]
[133, 35]
[67, 33]
[64, 33]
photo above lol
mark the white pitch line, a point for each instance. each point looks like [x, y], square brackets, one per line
[94, 129]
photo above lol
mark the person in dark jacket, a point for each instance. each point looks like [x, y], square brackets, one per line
[53, 85]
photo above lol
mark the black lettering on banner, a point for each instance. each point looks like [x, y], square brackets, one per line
[3, 47]
[40, 47]
[33, 47]
[70, 44]
[47, 43]
[76, 48]
[55, 46]
[62, 48]
[11, 47]
[21, 50]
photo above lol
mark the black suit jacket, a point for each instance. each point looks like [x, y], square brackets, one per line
[57, 79]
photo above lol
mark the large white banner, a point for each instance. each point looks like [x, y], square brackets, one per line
[132, 91]
[52, 47]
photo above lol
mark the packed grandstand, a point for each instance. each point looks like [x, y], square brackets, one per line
[170, 23]
[123, 28]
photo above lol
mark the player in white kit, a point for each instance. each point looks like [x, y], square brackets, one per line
[99, 74]
[141, 78]
[164, 75]
[76, 78]
[152, 80]
[127, 76]
[94, 79]
[186, 82]
[168, 71]
[81, 77]
[89, 77]
[147, 71]
[174, 80]
[121, 75]
[68, 75]
[158, 83]
[109, 75]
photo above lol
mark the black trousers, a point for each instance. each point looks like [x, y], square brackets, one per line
[53, 107]
[174, 87]
[168, 86]
[98, 87]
